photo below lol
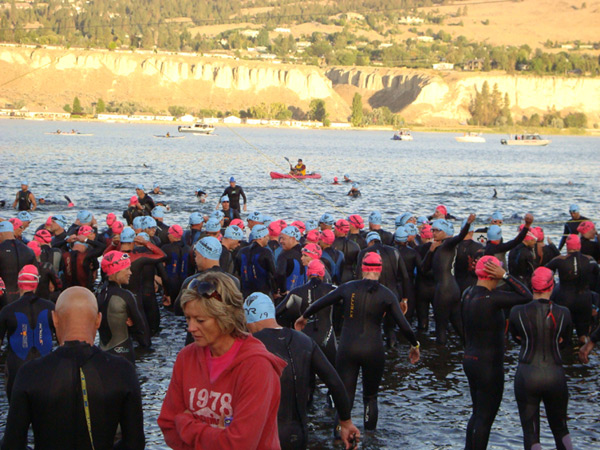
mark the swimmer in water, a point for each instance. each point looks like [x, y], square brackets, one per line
[495, 193]
[335, 180]
[354, 191]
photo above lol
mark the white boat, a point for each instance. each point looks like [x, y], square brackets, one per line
[69, 133]
[470, 137]
[531, 140]
[403, 135]
[197, 128]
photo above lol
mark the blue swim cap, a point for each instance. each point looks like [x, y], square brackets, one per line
[311, 224]
[255, 216]
[346, 175]
[231, 180]
[213, 225]
[355, 185]
[24, 216]
[402, 219]
[159, 212]
[375, 218]
[373, 235]
[219, 215]
[156, 185]
[497, 215]
[139, 186]
[148, 222]
[60, 220]
[327, 219]
[574, 208]
[259, 232]
[267, 220]
[225, 198]
[24, 182]
[196, 219]
[411, 229]
[444, 225]
[494, 233]
[138, 222]
[401, 235]
[471, 227]
[233, 232]
[84, 216]
[292, 232]
[209, 247]
[146, 236]
[421, 220]
[6, 226]
[127, 235]
[258, 306]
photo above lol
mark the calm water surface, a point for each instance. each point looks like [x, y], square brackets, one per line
[421, 407]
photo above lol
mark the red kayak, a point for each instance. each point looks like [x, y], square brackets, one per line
[277, 176]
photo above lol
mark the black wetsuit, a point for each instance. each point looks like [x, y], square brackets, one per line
[47, 276]
[48, 395]
[234, 194]
[53, 256]
[350, 250]
[499, 250]
[570, 228]
[319, 327]
[522, 262]
[591, 248]
[412, 261]
[467, 252]
[546, 253]
[387, 238]
[334, 262]
[131, 213]
[304, 358]
[226, 260]
[483, 361]
[147, 203]
[230, 214]
[425, 290]
[23, 201]
[178, 266]
[289, 271]
[14, 255]
[361, 344]
[28, 323]
[81, 267]
[162, 232]
[117, 305]
[359, 239]
[256, 268]
[190, 237]
[446, 300]
[539, 325]
[575, 272]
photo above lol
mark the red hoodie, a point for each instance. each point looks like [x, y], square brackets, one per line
[247, 393]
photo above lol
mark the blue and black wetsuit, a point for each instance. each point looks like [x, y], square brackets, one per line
[289, 271]
[28, 323]
[539, 326]
[483, 361]
[361, 343]
[256, 268]
[334, 262]
[178, 266]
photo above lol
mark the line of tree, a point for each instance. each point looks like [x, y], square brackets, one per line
[554, 119]
[488, 108]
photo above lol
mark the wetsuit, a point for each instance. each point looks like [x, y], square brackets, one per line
[334, 262]
[570, 228]
[538, 326]
[273, 245]
[304, 358]
[256, 268]
[47, 276]
[226, 260]
[230, 214]
[467, 253]
[499, 250]
[350, 250]
[446, 299]
[23, 200]
[178, 266]
[81, 267]
[48, 395]
[522, 262]
[359, 239]
[412, 261]
[234, 194]
[319, 327]
[575, 272]
[190, 237]
[591, 248]
[131, 213]
[59, 241]
[117, 305]
[13, 256]
[387, 238]
[54, 257]
[545, 253]
[147, 204]
[361, 343]
[483, 361]
[425, 290]
[162, 232]
[29, 326]
[289, 271]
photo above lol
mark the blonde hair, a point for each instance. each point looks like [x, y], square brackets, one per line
[228, 312]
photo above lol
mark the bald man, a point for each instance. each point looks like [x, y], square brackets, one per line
[51, 393]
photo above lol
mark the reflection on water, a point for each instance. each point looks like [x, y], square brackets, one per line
[421, 407]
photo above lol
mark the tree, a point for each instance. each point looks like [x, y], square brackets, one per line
[318, 111]
[576, 120]
[100, 106]
[263, 38]
[77, 109]
[357, 115]
[177, 111]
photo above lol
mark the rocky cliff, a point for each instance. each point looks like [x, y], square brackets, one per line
[52, 77]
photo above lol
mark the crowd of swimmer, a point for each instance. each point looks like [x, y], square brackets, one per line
[348, 285]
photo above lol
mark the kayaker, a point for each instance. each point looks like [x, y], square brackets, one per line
[299, 169]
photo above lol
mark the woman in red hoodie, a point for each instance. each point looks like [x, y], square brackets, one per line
[224, 392]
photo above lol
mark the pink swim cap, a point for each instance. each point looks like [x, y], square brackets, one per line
[238, 223]
[296, 223]
[48, 221]
[276, 227]
[480, 266]
[115, 261]
[315, 268]
[28, 278]
[573, 243]
[312, 250]
[16, 223]
[530, 236]
[176, 231]
[426, 232]
[327, 237]
[110, 219]
[585, 227]
[356, 221]
[43, 236]
[539, 233]
[35, 246]
[343, 226]
[313, 236]
[117, 227]
[2, 286]
[133, 200]
[442, 209]
[85, 230]
[372, 262]
[542, 280]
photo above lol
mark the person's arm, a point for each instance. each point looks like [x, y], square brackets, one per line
[402, 274]
[506, 299]
[405, 329]
[513, 325]
[288, 310]
[328, 300]
[243, 194]
[455, 240]
[131, 417]
[253, 399]
[19, 414]
[139, 329]
[2, 326]
[281, 273]
[267, 262]
[506, 246]
[157, 254]
[553, 264]
[327, 373]
[33, 201]
[16, 201]
[563, 239]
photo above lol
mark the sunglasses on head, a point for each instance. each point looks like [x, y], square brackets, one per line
[435, 230]
[205, 289]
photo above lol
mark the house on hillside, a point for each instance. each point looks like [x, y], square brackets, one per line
[408, 20]
[474, 64]
[232, 120]
[443, 66]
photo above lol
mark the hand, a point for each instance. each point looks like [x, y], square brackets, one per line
[528, 219]
[81, 238]
[116, 239]
[218, 204]
[414, 354]
[404, 305]
[140, 240]
[166, 301]
[245, 208]
[584, 352]
[221, 423]
[471, 218]
[434, 245]
[129, 322]
[549, 241]
[71, 239]
[349, 433]
[494, 270]
[300, 323]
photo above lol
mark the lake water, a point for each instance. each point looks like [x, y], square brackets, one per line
[421, 407]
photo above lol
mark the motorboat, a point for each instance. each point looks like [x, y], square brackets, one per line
[470, 137]
[532, 140]
[197, 128]
[402, 135]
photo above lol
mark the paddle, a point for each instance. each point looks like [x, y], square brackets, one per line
[287, 159]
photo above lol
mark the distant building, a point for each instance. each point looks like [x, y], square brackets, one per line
[340, 125]
[443, 66]
[474, 64]
[145, 117]
[408, 20]
[250, 33]
[282, 30]
[112, 116]
[385, 45]
[187, 118]
[164, 118]
[425, 38]
[567, 46]
[249, 121]
[232, 120]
